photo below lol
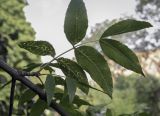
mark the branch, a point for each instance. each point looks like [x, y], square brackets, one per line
[15, 75]
[12, 97]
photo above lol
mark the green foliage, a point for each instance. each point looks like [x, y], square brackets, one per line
[71, 85]
[94, 63]
[38, 47]
[26, 96]
[38, 108]
[49, 87]
[73, 70]
[108, 112]
[121, 54]
[13, 29]
[76, 21]
[88, 59]
[125, 26]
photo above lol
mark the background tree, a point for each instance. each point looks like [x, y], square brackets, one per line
[13, 29]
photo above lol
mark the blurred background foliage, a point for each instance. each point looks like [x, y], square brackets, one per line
[132, 94]
[13, 29]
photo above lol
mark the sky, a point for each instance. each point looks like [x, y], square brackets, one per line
[47, 18]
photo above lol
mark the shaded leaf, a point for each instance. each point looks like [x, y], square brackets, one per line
[73, 70]
[87, 85]
[38, 108]
[94, 63]
[70, 108]
[59, 80]
[76, 21]
[125, 26]
[121, 54]
[79, 102]
[71, 88]
[32, 66]
[49, 87]
[38, 47]
[26, 96]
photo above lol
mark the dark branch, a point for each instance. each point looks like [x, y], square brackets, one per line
[25, 73]
[12, 97]
[15, 75]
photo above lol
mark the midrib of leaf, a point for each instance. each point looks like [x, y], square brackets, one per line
[120, 32]
[119, 50]
[76, 25]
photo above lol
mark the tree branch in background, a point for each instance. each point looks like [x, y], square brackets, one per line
[16, 76]
[12, 97]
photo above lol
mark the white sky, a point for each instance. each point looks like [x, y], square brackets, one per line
[47, 18]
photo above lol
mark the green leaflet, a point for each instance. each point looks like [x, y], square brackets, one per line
[38, 47]
[76, 21]
[26, 96]
[125, 26]
[73, 70]
[71, 88]
[77, 101]
[121, 54]
[59, 80]
[95, 64]
[49, 87]
[38, 108]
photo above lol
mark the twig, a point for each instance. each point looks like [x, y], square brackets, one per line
[12, 97]
[74, 47]
[40, 80]
[46, 64]
[7, 83]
